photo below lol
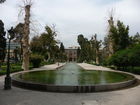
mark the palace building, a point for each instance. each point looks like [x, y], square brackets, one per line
[71, 53]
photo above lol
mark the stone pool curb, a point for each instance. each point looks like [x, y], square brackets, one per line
[74, 88]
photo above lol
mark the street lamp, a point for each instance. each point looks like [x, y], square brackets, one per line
[7, 84]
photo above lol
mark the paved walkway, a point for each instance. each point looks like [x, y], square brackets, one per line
[18, 96]
[50, 67]
[93, 67]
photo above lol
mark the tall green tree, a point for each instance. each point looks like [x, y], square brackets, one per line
[2, 41]
[117, 38]
[46, 44]
[36, 45]
[62, 53]
[86, 51]
[96, 48]
[48, 41]
[123, 34]
[62, 48]
[19, 32]
[105, 50]
[82, 42]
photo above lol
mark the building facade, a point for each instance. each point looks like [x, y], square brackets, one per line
[13, 47]
[71, 54]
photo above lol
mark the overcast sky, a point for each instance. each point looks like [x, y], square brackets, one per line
[74, 17]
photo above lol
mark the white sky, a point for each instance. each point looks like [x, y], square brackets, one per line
[74, 17]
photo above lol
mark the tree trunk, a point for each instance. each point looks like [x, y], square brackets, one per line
[96, 49]
[111, 51]
[21, 51]
[25, 39]
[49, 56]
[97, 57]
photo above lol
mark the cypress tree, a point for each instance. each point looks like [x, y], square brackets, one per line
[2, 41]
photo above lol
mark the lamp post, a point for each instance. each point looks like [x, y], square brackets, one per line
[7, 84]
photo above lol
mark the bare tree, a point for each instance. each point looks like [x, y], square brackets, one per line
[25, 38]
[108, 39]
[111, 23]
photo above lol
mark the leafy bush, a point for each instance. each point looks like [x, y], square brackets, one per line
[36, 60]
[13, 68]
[126, 58]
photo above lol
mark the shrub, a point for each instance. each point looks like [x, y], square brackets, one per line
[36, 60]
[126, 58]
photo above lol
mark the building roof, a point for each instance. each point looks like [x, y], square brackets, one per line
[73, 47]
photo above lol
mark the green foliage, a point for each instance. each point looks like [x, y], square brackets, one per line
[126, 58]
[117, 38]
[36, 60]
[61, 55]
[14, 67]
[96, 47]
[46, 63]
[89, 49]
[46, 44]
[134, 56]
[2, 41]
[135, 39]
[62, 48]
[11, 33]
[123, 32]
[85, 51]
[36, 45]
[19, 31]
[119, 59]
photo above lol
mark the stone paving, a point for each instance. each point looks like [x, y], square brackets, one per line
[18, 96]
[50, 67]
[93, 67]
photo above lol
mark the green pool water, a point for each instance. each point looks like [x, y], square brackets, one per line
[72, 74]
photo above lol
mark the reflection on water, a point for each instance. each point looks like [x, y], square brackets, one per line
[72, 74]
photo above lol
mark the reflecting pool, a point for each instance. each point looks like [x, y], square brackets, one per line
[72, 74]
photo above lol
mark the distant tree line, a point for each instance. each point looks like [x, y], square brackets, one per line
[122, 50]
[118, 48]
[89, 49]
[47, 46]
[44, 46]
